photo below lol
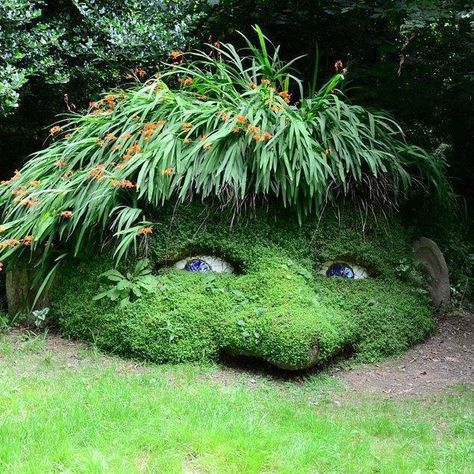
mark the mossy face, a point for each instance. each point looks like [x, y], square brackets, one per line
[276, 306]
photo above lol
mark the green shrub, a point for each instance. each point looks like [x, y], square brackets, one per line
[276, 306]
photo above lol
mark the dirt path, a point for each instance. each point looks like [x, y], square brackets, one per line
[446, 359]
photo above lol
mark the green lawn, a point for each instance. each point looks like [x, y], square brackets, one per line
[74, 410]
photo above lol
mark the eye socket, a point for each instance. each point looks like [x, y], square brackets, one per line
[340, 270]
[344, 270]
[204, 264]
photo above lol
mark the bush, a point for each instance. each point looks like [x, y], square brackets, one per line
[277, 306]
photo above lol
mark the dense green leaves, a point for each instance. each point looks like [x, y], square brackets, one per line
[218, 125]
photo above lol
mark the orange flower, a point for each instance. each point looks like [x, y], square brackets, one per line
[114, 182]
[167, 171]
[188, 140]
[97, 172]
[116, 147]
[125, 135]
[126, 184]
[253, 129]
[100, 142]
[28, 202]
[66, 214]
[187, 81]
[223, 115]
[240, 119]
[187, 126]
[146, 231]
[265, 82]
[35, 183]
[60, 164]
[252, 85]
[55, 130]
[277, 108]
[68, 135]
[327, 152]
[207, 146]
[204, 137]
[19, 192]
[203, 97]
[285, 95]
[267, 135]
[135, 148]
[9, 243]
[235, 129]
[176, 54]
[28, 240]
[110, 137]
[257, 138]
[2, 229]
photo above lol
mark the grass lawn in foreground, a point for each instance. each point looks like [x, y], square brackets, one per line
[67, 408]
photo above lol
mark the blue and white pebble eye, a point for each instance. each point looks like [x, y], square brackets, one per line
[344, 270]
[204, 264]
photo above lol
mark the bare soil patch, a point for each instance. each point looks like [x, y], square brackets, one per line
[444, 360]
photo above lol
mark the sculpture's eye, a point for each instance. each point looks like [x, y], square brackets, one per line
[340, 270]
[343, 270]
[204, 264]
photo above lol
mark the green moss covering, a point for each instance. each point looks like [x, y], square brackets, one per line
[277, 306]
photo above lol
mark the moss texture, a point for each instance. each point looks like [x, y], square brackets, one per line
[277, 306]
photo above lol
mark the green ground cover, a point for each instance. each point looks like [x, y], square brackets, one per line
[66, 408]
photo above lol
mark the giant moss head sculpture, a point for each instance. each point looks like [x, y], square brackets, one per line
[296, 295]
[238, 133]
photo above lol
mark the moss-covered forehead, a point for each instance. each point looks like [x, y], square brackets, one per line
[193, 229]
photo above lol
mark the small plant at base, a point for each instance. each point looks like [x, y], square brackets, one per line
[127, 288]
[40, 316]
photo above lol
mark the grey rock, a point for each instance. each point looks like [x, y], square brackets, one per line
[433, 262]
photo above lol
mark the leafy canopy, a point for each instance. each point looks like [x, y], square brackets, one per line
[221, 125]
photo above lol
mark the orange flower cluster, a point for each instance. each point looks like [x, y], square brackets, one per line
[187, 81]
[265, 82]
[328, 151]
[110, 137]
[146, 231]
[176, 54]
[252, 85]
[35, 183]
[187, 126]
[258, 135]
[66, 214]
[55, 130]
[28, 240]
[9, 243]
[285, 95]
[60, 164]
[167, 171]
[19, 192]
[207, 146]
[131, 151]
[223, 115]
[150, 128]
[277, 108]
[240, 119]
[124, 183]
[125, 135]
[97, 172]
